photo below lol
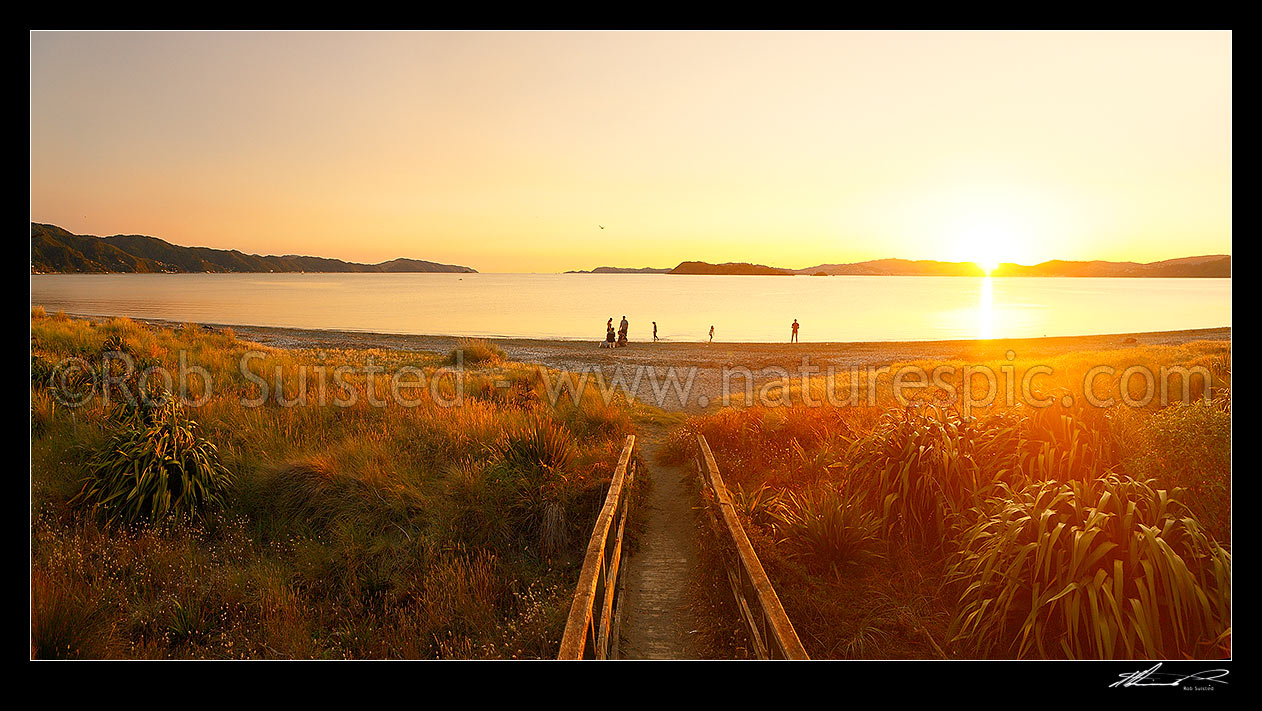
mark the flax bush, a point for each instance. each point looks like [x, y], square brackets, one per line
[155, 466]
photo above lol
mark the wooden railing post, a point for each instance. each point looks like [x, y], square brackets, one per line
[771, 633]
[601, 573]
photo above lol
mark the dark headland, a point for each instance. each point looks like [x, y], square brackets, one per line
[55, 250]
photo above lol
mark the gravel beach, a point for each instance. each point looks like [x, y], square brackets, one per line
[705, 362]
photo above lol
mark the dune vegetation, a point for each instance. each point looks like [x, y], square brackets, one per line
[901, 528]
[374, 504]
[228, 519]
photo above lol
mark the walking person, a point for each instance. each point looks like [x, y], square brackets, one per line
[655, 332]
[794, 337]
[712, 333]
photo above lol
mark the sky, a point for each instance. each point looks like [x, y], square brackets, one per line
[507, 151]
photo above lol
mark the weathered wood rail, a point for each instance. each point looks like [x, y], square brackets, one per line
[592, 629]
[770, 632]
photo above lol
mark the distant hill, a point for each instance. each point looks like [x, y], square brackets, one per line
[897, 267]
[1213, 265]
[55, 250]
[729, 268]
[621, 270]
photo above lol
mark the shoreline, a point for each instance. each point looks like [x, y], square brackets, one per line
[433, 341]
[341, 338]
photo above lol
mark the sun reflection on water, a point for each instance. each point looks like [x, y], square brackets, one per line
[986, 309]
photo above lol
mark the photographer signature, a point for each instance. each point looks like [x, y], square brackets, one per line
[1151, 677]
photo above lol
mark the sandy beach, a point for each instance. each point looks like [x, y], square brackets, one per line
[704, 362]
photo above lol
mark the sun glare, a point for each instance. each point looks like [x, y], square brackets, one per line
[986, 308]
[986, 245]
[991, 237]
[988, 264]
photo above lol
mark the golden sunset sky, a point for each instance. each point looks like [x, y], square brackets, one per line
[504, 151]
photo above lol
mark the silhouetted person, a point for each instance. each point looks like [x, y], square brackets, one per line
[655, 332]
[794, 337]
[712, 334]
[622, 331]
[609, 335]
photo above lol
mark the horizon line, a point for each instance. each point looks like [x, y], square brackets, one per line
[700, 261]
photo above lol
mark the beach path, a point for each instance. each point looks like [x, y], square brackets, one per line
[676, 606]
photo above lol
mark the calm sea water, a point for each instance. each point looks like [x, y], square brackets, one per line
[576, 306]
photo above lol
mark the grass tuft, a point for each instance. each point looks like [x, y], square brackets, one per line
[475, 351]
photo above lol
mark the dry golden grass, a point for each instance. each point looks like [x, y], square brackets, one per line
[352, 529]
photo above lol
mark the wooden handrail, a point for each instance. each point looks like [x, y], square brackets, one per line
[601, 573]
[770, 631]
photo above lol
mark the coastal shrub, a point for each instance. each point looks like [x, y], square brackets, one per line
[1060, 443]
[535, 464]
[1189, 447]
[1106, 568]
[148, 470]
[75, 378]
[920, 470]
[760, 505]
[828, 527]
[814, 467]
[539, 446]
[115, 343]
[1220, 368]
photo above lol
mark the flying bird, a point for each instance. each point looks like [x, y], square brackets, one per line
[601, 226]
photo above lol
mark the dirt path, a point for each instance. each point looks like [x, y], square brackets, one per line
[673, 608]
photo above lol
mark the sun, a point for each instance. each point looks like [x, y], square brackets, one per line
[989, 226]
[992, 237]
[987, 246]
